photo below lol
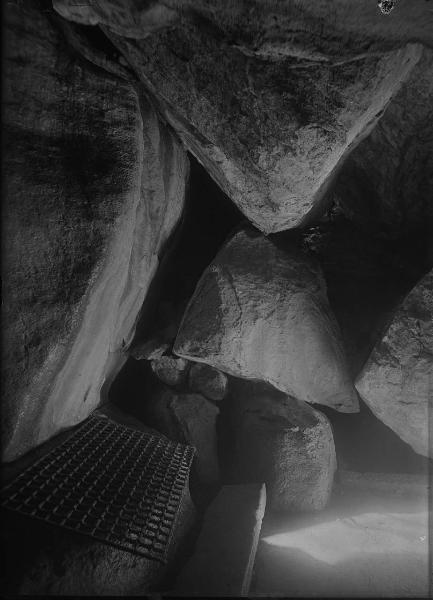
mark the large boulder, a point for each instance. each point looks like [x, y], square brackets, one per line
[283, 442]
[396, 382]
[261, 312]
[188, 419]
[273, 97]
[94, 187]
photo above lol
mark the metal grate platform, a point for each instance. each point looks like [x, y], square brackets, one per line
[110, 482]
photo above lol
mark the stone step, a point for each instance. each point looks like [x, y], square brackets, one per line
[223, 560]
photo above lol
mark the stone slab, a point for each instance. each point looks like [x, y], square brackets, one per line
[224, 555]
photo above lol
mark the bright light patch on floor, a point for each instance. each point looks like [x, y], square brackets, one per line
[369, 533]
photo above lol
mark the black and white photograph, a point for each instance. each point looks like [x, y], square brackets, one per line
[217, 299]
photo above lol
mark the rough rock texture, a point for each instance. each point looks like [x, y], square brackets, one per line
[94, 187]
[272, 97]
[283, 442]
[360, 21]
[170, 369]
[261, 312]
[149, 350]
[208, 381]
[396, 381]
[372, 541]
[190, 419]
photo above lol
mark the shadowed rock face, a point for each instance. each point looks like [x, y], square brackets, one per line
[387, 181]
[186, 418]
[396, 382]
[267, 26]
[271, 99]
[283, 442]
[94, 187]
[260, 312]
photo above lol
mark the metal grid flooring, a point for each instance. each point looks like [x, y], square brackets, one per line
[110, 482]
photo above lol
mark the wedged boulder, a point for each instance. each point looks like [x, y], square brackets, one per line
[208, 381]
[186, 418]
[396, 382]
[170, 369]
[271, 99]
[261, 312]
[150, 349]
[95, 185]
[283, 442]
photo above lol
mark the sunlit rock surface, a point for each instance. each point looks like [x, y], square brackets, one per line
[397, 380]
[271, 97]
[283, 442]
[95, 185]
[261, 312]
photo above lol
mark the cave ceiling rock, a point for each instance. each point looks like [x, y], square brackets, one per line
[261, 312]
[95, 186]
[270, 97]
[397, 380]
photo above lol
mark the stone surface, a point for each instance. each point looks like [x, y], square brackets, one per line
[208, 381]
[95, 185]
[170, 369]
[223, 559]
[370, 542]
[149, 350]
[272, 98]
[367, 274]
[261, 312]
[283, 442]
[126, 17]
[396, 382]
[190, 419]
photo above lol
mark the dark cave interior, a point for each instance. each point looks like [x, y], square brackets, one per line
[366, 275]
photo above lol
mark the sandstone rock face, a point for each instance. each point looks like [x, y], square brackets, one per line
[170, 369]
[271, 99]
[396, 381]
[208, 381]
[283, 442]
[260, 312]
[95, 185]
[187, 418]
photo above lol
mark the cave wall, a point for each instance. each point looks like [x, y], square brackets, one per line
[291, 108]
[94, 187]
